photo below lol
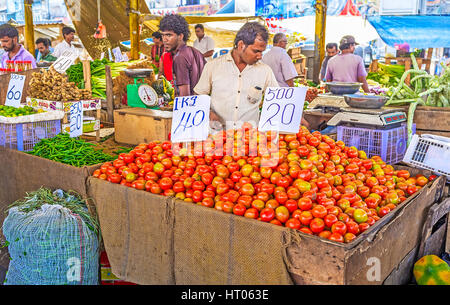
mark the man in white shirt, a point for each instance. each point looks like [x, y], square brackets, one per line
[230, 79]
[203, 43]
[66, 44]
[280, 62]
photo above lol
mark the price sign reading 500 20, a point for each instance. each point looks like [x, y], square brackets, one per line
[76, 119]
[282, 109]
[190, 121]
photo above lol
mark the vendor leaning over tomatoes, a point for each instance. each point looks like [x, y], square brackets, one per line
[237, 80]
[347, 67]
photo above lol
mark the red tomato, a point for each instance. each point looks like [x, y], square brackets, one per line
[336, 237]
[330, 219]
[319, 211]
[317, 225]
[339, 227]
[267, 214]
[292, 223]
[239, 209]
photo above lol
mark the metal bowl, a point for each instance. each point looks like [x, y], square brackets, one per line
[341, 88]
[365, 101]
[140, 73]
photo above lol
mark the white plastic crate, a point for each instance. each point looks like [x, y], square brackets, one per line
[429, 152]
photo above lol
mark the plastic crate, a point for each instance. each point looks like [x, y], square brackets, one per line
[389, 144]
[429, 152]
[23, 136]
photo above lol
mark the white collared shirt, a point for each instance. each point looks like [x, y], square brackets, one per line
[228, 88]
[204, 45]
[63, 46]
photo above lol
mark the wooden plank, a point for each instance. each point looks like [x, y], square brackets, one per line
[435, 213]
[447, 242]
[430, 118]
[109, 94]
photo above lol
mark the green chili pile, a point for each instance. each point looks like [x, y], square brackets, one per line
[71, 151]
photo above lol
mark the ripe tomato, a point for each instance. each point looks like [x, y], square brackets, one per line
[292, 223]
[352, 227]
[319, 211]
[251, 213]
[349, 237]
[306, 217]
[239, 209]
[317, 225]
[267, 214]
[336, 237]
[282, 214]
[330, 219]
[339, 227]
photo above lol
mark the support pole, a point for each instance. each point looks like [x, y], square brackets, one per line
[134, 29]
[319, 38]
[29, 31]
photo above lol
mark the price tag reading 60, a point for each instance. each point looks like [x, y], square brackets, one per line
[15, 89]
[282, 109]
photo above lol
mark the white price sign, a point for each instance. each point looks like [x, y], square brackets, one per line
[76, 119]
[15, 89]
[282, 109]
[190, 120]
[118, 57]
[64, 62]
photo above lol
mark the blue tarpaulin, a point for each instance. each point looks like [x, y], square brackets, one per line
[418, 31]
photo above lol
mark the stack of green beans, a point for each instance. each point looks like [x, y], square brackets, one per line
[71, 151]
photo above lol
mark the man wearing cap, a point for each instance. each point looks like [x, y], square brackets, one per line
[347, 67]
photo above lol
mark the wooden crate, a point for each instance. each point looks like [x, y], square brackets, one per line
[432, 241]
[312, 260]
[138, 125]
[294, 53]
[431, 120]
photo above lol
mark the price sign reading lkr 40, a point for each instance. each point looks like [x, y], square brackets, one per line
[282, 109]
[190, 120]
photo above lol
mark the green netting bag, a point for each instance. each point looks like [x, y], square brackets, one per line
[52, 241]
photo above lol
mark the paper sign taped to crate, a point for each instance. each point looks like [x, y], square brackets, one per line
[282, 109]
[190, 121]
[88, 126]
[15, 89]
[76, 119]
[64, 106]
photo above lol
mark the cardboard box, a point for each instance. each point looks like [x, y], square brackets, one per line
[139, 125]
[294, 52]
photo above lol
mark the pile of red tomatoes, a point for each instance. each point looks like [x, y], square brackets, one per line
[304, 181]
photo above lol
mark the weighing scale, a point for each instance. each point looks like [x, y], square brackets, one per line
[383, 118]
[140, 94]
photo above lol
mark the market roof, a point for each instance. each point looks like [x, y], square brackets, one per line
[418, 31]
[113, 14]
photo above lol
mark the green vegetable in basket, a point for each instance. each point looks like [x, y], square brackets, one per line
[72, 151]
[9, 111]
